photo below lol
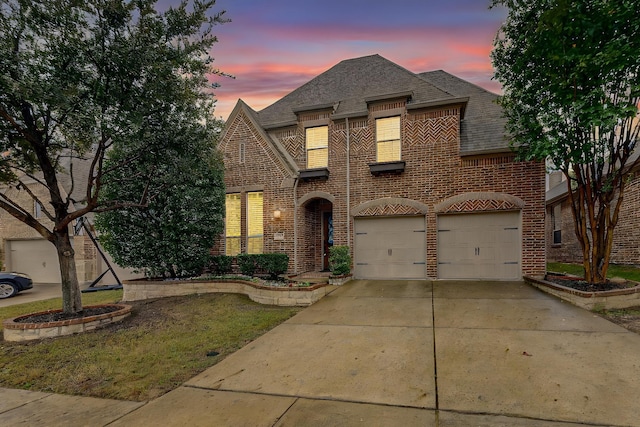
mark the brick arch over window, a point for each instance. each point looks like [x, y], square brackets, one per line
[388, 206]
[316, 195]
[474, 202]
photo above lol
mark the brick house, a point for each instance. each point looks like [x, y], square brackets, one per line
[23, 249]
[411, 171]
[562, 243]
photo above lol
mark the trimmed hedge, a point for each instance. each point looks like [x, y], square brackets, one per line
[339, 260]
[221, 264]
[271, 264]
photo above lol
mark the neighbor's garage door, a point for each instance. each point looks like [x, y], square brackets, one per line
[479, 246]
[37, 258]
[390, 248]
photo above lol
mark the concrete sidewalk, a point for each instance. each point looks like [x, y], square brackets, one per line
[402, 353]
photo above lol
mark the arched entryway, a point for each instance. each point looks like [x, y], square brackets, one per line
[315, 233]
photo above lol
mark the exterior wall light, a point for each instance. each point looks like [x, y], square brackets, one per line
[277, 214]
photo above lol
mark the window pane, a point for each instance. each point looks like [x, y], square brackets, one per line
[317, 137]
[232, 246]
[318, 158]
[388, 151]
[254, 245]
[232, 224]
[317, 140]
[254, 222]
[388, 129]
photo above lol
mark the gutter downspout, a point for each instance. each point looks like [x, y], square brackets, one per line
[348, 182]
[295, 225]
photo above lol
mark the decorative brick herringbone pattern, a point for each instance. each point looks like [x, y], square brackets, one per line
[293, 142]
[361, 139]
[389, 210]
[481, 205]
[420, 131]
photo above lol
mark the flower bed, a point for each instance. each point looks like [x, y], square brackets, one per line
[285, 295]
[32, 327]
[590, 300]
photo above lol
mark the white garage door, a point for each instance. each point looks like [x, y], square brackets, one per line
[37, 258]
[390, 248]
[479, 246]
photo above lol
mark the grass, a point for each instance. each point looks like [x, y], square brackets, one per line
[161, 345]
[627, 272]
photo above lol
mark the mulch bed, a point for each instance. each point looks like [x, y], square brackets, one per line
[58, 315]
[581, 285]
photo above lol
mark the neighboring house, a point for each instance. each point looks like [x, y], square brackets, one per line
[22, 249]
[562, 243]
[411, 171]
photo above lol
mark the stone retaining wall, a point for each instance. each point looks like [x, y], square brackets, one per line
[284, 296]
[619, 298]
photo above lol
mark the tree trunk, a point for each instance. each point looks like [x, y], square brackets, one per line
[71, 297]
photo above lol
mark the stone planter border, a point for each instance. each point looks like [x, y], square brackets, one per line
[14, 331]
[603, 300]
[136, 290]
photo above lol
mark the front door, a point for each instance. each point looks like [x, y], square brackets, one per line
[327, 238]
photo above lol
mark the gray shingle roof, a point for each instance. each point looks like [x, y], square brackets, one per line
[348, 86]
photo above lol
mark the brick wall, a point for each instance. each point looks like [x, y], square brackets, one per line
[434, 172]
[626, 249]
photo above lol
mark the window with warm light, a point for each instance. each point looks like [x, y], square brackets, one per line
[388, 139]
[317, 140]
[233, 231]
[255, 216]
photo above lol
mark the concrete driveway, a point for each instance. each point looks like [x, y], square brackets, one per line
[419, 353]
[40, 291]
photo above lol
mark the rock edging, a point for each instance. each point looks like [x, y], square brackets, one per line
[26, 331]
[282, 296]
[600, 300]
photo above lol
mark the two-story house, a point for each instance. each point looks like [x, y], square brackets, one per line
[412, 171]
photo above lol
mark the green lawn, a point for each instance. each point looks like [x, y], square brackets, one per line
[161, 345]
[624, 271]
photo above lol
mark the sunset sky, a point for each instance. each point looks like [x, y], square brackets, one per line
[275, 46]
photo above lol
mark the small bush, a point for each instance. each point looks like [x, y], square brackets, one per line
[274, 264]
[271, 264]
[221, 264]
[247, 264]
[339, 260]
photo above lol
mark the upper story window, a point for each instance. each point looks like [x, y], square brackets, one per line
[317, 145]
[255, 225]
[388, 139]
[233, 231]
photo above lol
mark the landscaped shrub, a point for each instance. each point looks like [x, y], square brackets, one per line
[221, 264]
[247, 264]
[271, 264]
[339, 260]
[274, 264]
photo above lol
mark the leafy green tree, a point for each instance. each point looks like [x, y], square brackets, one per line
[173, 235]
[79, 79]
[570, 71]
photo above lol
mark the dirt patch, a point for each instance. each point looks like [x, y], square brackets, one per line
[627, 318]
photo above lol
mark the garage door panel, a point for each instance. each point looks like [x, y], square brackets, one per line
[479, 246]
[390, 248]
[37, 258]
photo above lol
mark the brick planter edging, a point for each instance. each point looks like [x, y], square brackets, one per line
[20, 331]
[602, 300]
[282, 296]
